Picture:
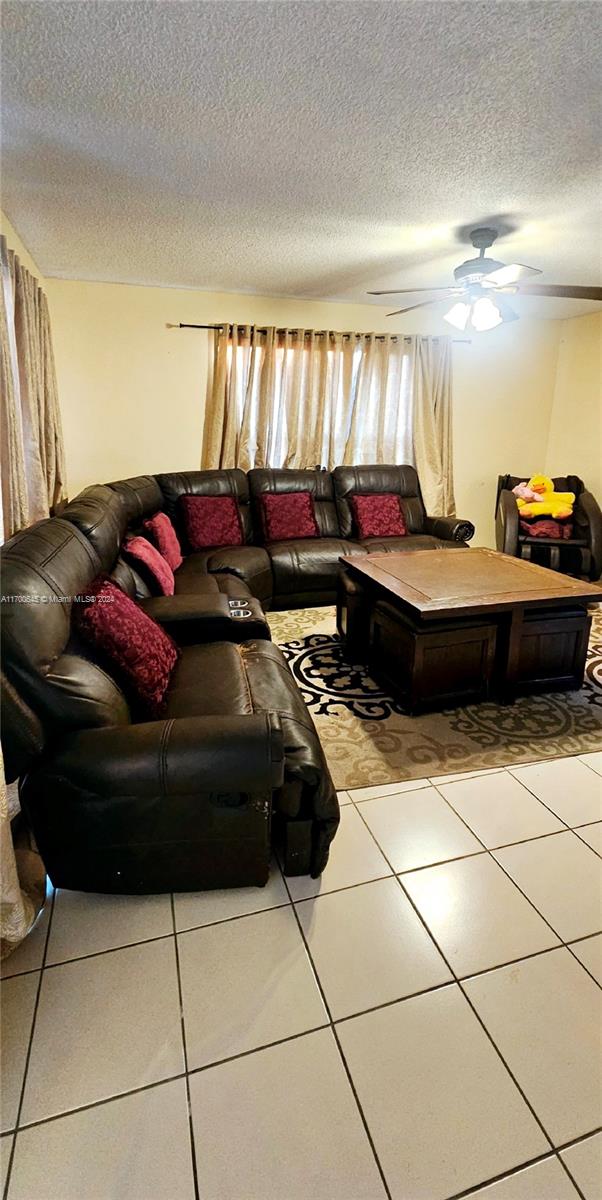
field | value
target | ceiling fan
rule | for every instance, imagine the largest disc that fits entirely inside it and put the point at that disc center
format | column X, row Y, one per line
column 482, row 282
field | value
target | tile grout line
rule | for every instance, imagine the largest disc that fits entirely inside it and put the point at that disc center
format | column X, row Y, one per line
column 257, row 1049
column 582, row 839
column 29, row 1048
column 571, row 758
column 331, row 1025
column 491, row 854
column 470, row 1192
column 481, row 1023
column 195, row 1179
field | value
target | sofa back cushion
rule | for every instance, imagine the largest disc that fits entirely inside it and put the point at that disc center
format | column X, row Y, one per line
column 45, row 570
column 147, row 560
column 159, row 529
column 378, row 515
column 141, row 496
column 99, row 513
column 399, row 480
column 134, row 647
column 288, row 515
column 206, row 483
column 267, row 481
column 211, row 521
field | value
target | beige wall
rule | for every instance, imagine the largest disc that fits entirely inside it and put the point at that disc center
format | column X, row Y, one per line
column 575, row 436
column 132, row 390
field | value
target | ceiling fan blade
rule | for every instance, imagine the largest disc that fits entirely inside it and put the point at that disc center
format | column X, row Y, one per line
column 423, row 304
column 561, row 289
column 402, row 291
column 513, row 273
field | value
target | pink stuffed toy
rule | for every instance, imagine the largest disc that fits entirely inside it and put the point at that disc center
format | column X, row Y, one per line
column 522, row 491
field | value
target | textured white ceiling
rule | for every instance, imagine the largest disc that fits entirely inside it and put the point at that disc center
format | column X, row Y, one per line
column 302, row 149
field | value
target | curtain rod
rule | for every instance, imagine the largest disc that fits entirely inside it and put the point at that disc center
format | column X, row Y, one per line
column 379, row 337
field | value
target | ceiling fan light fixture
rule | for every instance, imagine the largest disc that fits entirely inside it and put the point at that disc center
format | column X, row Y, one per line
column 485, row 314
column 458, row 315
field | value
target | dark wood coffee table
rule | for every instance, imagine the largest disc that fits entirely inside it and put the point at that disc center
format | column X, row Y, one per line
column 443, row 627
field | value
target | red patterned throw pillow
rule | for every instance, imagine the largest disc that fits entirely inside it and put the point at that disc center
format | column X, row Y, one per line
column 378, row 515
column 288, row 515
column 211, row 521
column 146, row 559
column 162, row 534
column 140, row 651
column 542, row 528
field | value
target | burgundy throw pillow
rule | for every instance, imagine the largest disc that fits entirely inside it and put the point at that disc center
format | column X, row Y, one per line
column 163, row 535
column 288, row 515
column 140, row 651
column 378, row 515
column 146, row 559
column 211, row 521
column 547, row 528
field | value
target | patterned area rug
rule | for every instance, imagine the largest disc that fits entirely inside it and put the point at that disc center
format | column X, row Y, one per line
column 367, row 738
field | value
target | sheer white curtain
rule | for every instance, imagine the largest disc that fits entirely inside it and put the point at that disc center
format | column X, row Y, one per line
column 303, row 398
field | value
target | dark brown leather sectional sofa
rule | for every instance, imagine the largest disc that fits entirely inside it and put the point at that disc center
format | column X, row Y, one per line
column 301, row 572
column 119, row 803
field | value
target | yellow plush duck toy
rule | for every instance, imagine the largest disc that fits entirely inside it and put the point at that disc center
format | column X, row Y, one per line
column 537, row 498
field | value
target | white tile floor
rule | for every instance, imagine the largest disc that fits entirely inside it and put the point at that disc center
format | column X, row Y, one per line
column 422, row 1023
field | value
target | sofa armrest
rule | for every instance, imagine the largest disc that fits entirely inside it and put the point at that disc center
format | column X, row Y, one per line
column 169, row 758
column 191, row 619
column 587, row 507
column 250, row 563
column 449, row 529
column 506, row 523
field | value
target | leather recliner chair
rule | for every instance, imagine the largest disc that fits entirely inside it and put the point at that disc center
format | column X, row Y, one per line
column 118, row 803
column 579, row 555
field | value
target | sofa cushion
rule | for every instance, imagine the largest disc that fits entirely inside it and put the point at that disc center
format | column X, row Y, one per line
column 401, row 480
column 308, row 564
column 211, row 521
column 138, row 651
column 140, row 495
column 264, row 480
column 420, row 541
column 99, row 513
column 378, row 515
column 146, row 559
column 163, row 535
column 250, row 564
column 209, row 681
column 228, row 482
column 288, row 515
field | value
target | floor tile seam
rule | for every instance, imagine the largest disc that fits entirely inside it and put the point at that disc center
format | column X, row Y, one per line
column 588, row 765
column 185, row 1052
column 492, row 853
column 476, row 1014
column 29, row 1048
column 583, row 840
column 160, row 937
column 346, row 1069
column 572, row 757
column 553, row 833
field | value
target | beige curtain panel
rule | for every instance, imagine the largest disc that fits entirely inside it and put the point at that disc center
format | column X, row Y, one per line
column 32, row 470
column 302, row 398
column 31, row 441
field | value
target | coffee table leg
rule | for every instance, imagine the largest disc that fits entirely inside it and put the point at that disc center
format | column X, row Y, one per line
column 508, row 663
